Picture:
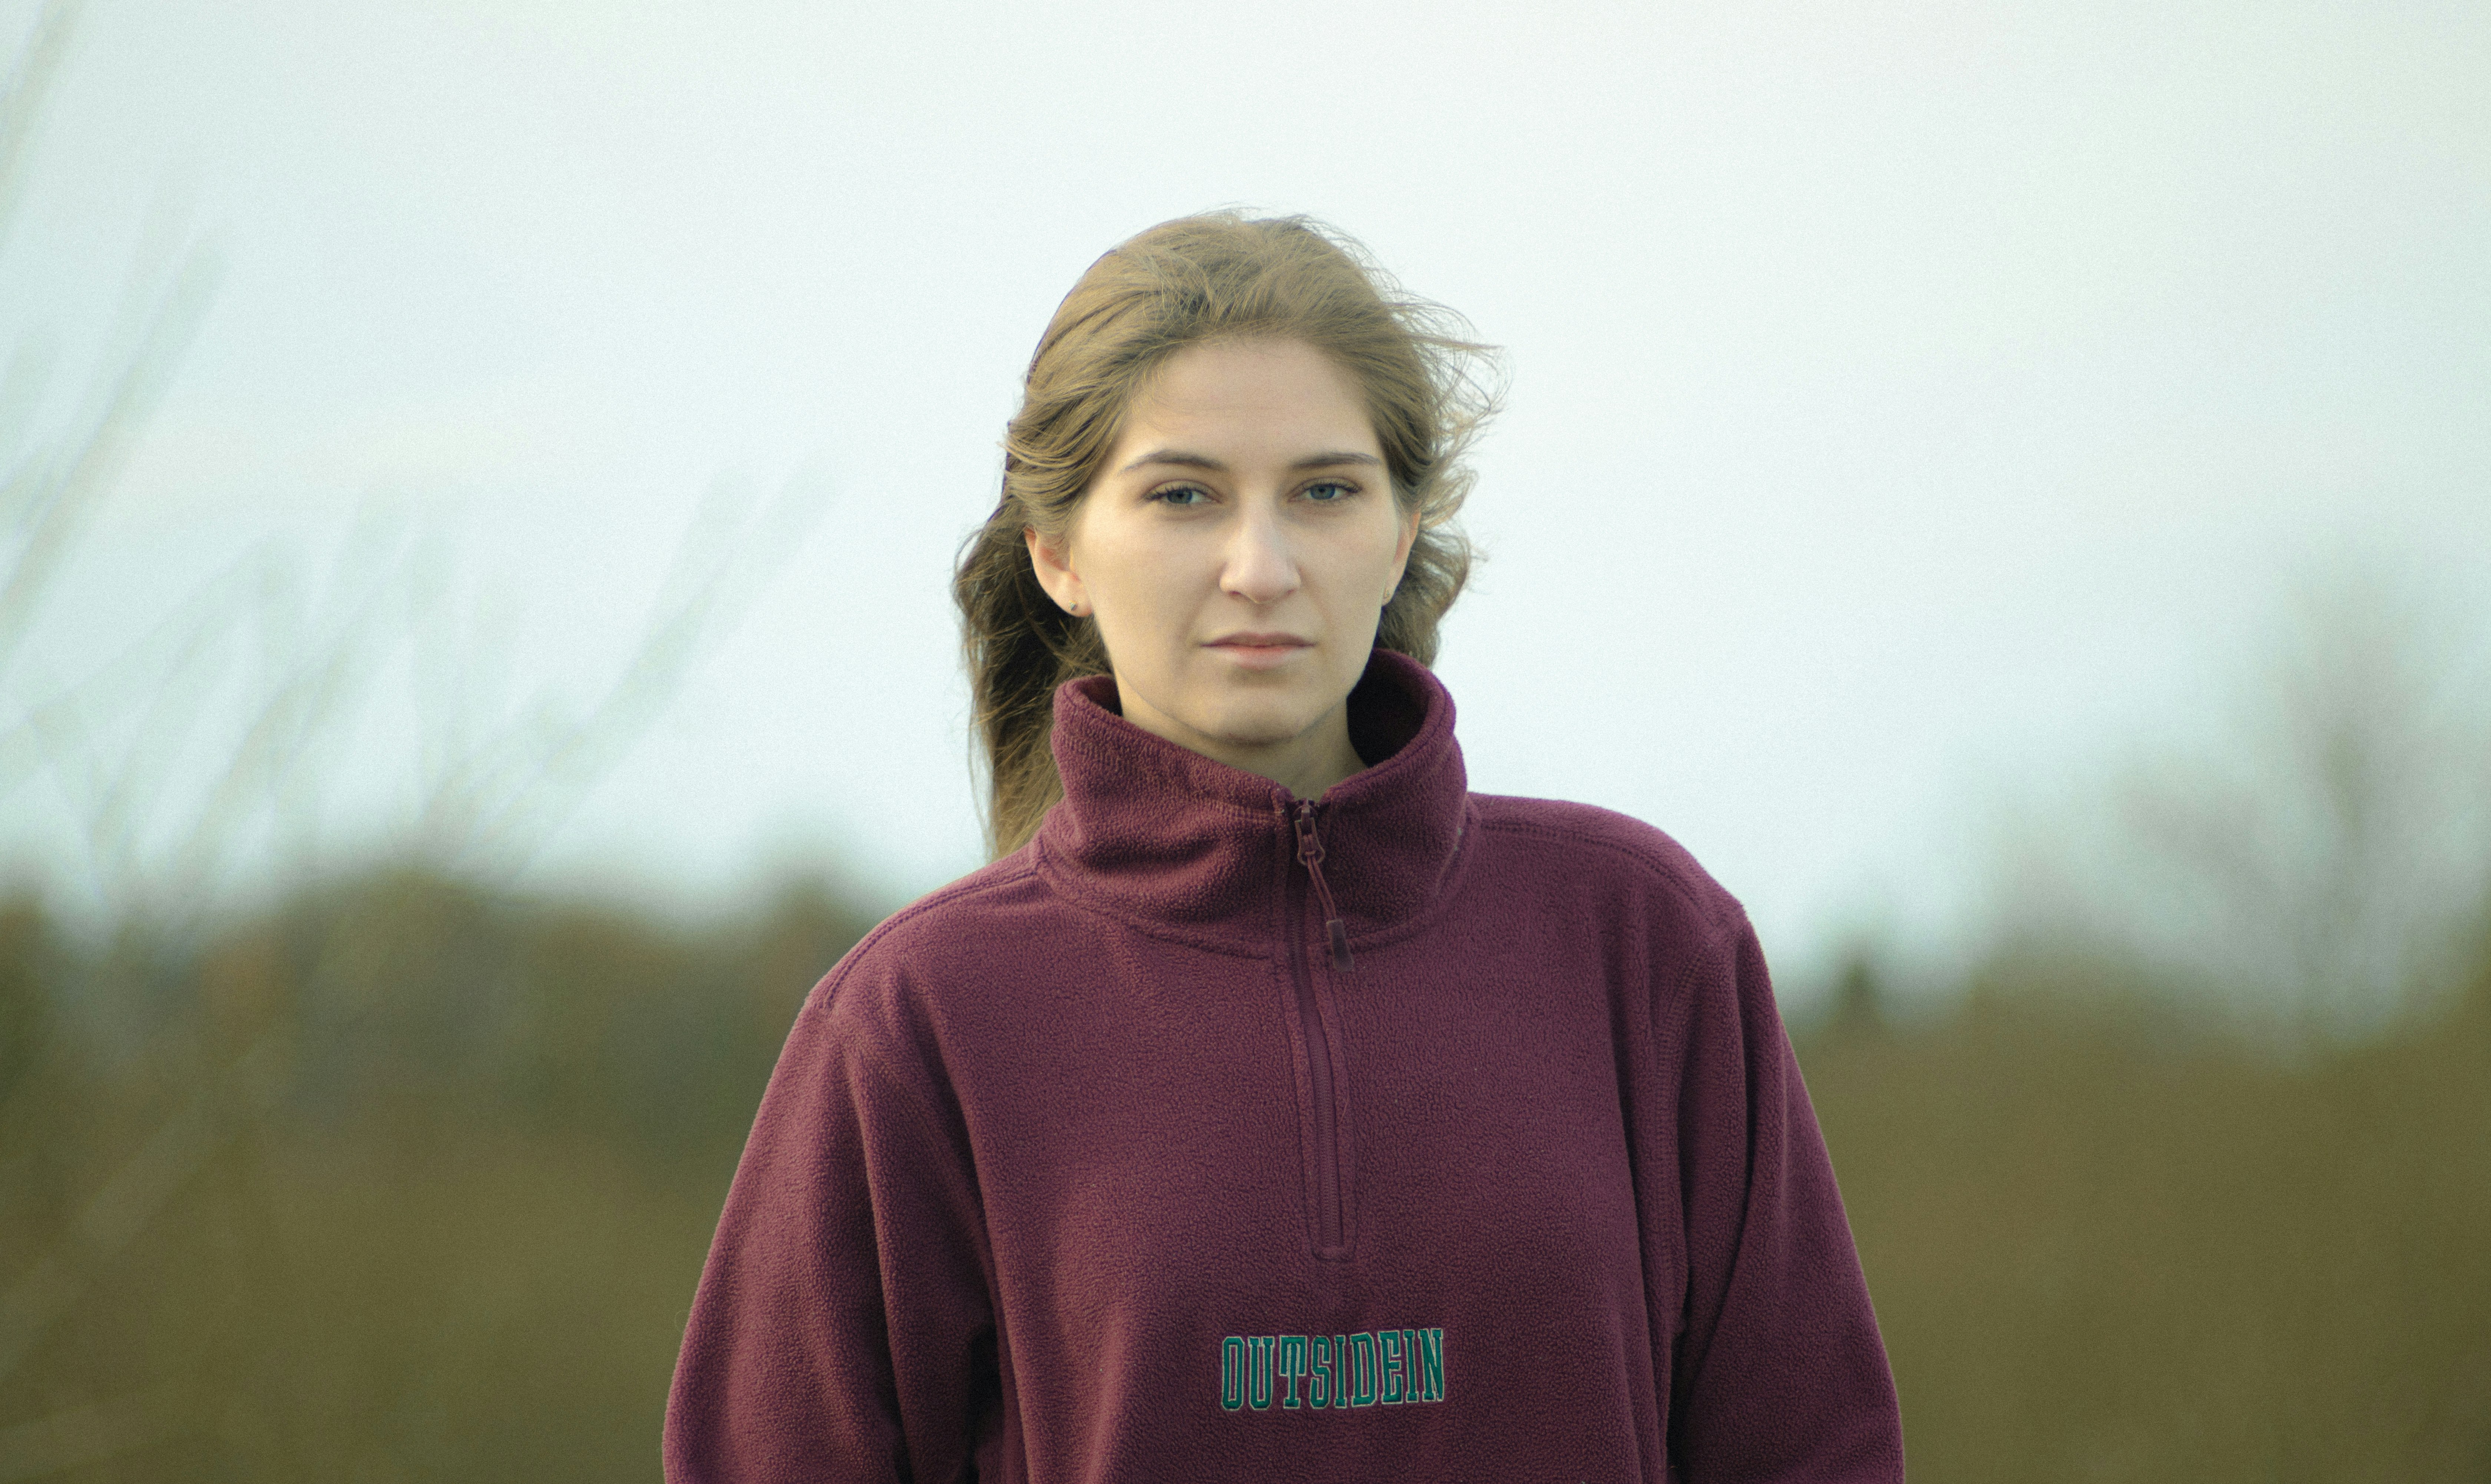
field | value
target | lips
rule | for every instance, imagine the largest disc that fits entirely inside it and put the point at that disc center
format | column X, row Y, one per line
column 1261, row 653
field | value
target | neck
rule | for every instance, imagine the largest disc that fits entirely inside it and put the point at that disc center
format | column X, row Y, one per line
column 1305, row 765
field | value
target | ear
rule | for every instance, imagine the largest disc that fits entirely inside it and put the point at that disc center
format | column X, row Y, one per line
column 1401, row 551
column 1055, row 573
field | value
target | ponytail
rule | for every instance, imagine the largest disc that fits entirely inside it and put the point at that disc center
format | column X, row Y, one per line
column 1020, row 646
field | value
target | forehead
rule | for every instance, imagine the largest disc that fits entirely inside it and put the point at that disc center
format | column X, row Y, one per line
column 1250, row 393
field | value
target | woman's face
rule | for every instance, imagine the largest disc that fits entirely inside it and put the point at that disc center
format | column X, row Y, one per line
column 1237, row 550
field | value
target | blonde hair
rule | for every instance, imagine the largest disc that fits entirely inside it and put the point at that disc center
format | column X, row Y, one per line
column 1218, row 277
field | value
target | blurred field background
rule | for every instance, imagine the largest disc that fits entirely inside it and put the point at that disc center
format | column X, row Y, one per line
column 396, row 1162
column 408, row 1178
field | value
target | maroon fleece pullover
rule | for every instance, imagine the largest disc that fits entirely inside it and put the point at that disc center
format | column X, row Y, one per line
column 1413, row 1134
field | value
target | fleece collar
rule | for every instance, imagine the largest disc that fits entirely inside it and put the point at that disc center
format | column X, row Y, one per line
column 1165, row 837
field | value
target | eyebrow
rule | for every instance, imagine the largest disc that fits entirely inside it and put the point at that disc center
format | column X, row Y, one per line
column 1185, row 460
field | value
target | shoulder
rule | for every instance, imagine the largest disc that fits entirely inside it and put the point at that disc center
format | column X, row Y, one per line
column 1583, row 847
column 963, row 932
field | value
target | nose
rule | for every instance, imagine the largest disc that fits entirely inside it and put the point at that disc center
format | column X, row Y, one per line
column 1260, row 566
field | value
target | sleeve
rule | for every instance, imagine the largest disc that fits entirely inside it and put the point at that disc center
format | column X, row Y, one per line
column 1777, row 1371
column 842, row 1330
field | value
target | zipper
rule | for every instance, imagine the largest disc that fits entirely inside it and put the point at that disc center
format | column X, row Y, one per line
column 1323, row 1061
column 1311, row 855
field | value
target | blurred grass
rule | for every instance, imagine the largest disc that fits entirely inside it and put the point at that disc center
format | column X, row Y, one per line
column 433, row 1170
column 2107, row 1245
column 440, row 1168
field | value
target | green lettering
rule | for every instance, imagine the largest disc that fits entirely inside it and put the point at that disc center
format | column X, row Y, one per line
column 1430, row 1352
column 1343, row 1373
column 1293, row 1364
column 1319, row 1371
column 1361, row 1368
column 1396, row 1366
column 1232, row 1372
column 1258, row 1381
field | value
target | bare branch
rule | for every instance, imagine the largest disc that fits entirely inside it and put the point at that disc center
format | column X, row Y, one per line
column 508, row 799
column 21, row 99
column 62, row 497
column 2313, row 879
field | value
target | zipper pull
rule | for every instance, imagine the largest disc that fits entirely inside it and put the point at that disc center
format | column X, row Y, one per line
column 1310, row 854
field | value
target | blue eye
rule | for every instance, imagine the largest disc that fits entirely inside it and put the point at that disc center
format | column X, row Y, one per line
column 1182, row 496
column 1337, row 492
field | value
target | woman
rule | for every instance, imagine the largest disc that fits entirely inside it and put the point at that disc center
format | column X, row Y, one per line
column 1274, row 1107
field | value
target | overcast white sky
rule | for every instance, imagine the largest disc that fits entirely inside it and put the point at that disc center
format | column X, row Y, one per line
column 1911, row 404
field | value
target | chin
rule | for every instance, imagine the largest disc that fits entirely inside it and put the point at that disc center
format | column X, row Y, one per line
column 1254, row 722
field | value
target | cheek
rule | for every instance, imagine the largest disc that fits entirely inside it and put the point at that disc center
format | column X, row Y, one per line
column 1138, row 590
column 1368, row 562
